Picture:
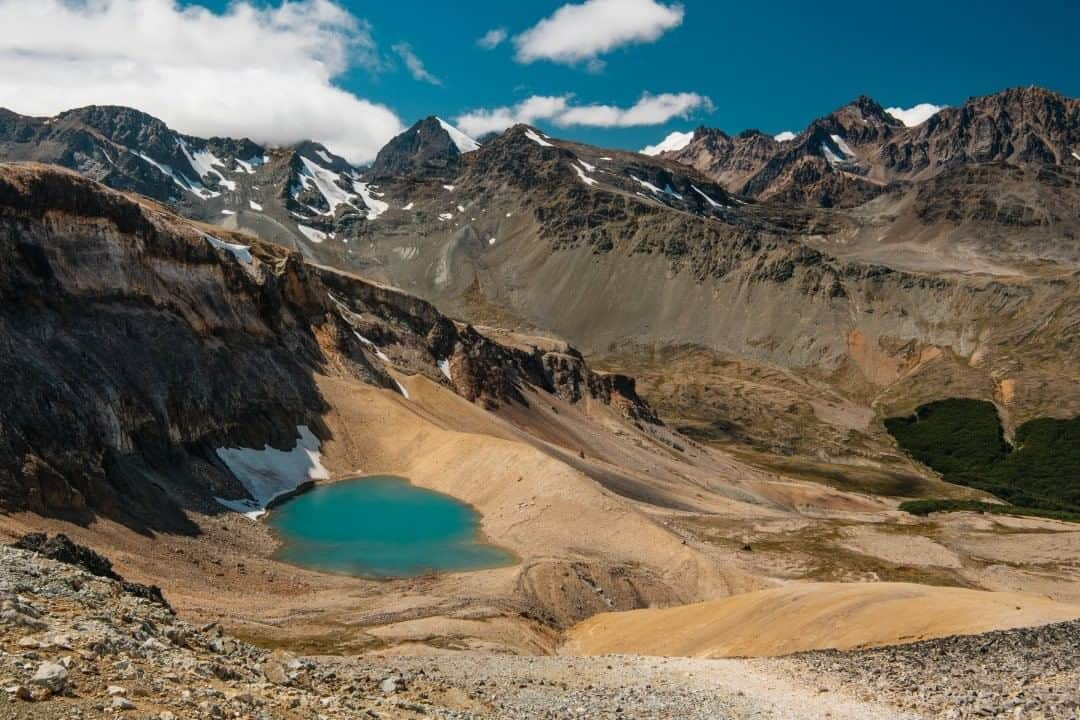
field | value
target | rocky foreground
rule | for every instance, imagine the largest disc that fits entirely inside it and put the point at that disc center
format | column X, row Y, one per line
column 78, row 642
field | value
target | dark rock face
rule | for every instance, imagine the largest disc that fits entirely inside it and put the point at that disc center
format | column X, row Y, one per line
column 424, row 151
column 1019, row 125
column 61, row 549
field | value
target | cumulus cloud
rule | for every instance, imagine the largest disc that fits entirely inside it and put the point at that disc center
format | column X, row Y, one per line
column 538, row 107
column 674, row 141
column 414, row 64
column 576, row 33
column 492, row 38
column 785, row 136
column 649, row 110
column 265, row 72
column 915, row 115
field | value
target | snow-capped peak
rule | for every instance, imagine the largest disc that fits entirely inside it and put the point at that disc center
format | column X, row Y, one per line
column 674, row 141
column 464, row 142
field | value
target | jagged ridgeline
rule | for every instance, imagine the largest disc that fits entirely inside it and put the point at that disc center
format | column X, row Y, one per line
column 140, row 342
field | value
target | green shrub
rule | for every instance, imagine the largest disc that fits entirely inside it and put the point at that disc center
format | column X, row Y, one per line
column 963, row 440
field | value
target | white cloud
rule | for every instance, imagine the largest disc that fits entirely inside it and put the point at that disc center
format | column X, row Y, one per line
column 674, row 141
column 649, row 110
column 915, row 115
column 414, row 64
column 264, row 72
column 538, row 107
column 574, row 33
column 785, row 136
column 492, row 38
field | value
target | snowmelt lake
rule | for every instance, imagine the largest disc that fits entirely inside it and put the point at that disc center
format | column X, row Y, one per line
column 381, row 527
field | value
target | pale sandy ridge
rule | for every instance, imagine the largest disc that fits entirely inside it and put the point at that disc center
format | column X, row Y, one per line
column 811, row 616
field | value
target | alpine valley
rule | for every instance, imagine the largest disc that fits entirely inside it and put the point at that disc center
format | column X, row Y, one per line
column 759, row 428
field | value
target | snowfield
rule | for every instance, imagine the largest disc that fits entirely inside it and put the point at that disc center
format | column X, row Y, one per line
column 268, row 473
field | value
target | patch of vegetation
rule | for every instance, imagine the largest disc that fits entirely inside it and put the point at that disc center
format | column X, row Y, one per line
column 963, row 440
column 925, row 507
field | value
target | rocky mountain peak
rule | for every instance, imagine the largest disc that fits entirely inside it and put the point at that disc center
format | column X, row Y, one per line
column 431, row 148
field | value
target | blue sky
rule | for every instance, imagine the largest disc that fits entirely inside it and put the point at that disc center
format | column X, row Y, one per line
column 770, row 65
column 622, row 73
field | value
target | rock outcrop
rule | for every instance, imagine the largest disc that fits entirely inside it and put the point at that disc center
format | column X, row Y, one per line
column 138, row 342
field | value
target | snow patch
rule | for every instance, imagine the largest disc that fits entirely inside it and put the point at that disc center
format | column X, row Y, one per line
column 652, row 188
column 537, row 139
column 444, row 366
column 491, row 241
column 844, row 147
column 674, row 141
column 228, row 212
column 709, row 199
column 445, row 216
column 1075, row 155
column 401, row 388
column 375, row 348
column 324, row 157
column 241, row 252
column 206, row 163
column 581, row 174
column 785, row 136
column 315, row 236
column 268, row 473
column 463, row 142
column 449, row 188
column 254, row 205
column 587, row 166
column 326, row 181
column 375, row 207
column 461, row 208
column 408, row 207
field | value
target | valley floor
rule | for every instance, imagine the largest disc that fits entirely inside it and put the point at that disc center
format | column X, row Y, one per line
column 77, row 646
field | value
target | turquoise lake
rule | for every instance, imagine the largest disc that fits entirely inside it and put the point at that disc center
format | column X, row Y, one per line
column 381, row 527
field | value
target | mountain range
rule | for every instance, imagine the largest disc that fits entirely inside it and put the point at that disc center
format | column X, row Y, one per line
column 659, row 380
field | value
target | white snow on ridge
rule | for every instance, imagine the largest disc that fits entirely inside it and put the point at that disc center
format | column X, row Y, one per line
column 444, row 366
column 463, row 142
column 537, row 139
column 674, row 141
column 375, row 207
column 710, row 200
column 581, row 174
column 784, row 136
column 327, row 183
column 268, row 473
column 587, row 166
column 203, row 162
column 315, row 236
column 844, row 147
column 324, row 157
column 167, row 170
column 240, row 252
column 652, row 188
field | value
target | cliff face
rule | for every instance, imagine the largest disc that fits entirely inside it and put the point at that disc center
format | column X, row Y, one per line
column 134, row 343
